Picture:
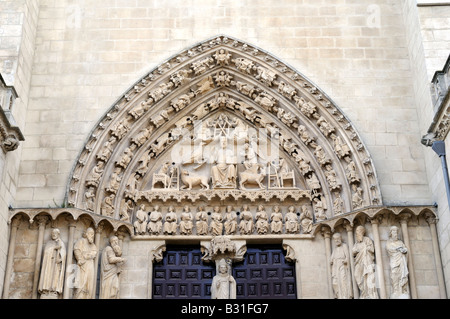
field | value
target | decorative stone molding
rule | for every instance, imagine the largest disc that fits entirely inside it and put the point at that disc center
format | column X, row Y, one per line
column 375, row 214
column 72, row 215
column 10, row 134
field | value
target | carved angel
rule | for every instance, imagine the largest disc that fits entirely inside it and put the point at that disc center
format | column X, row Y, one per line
column 222, row 57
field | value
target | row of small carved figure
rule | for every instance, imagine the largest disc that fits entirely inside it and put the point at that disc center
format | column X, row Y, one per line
column 230, row 223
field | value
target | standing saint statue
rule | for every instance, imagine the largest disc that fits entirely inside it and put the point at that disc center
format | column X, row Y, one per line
column 340, row 272
column 111, row 267
column 85, row 252
column 397, row 253
column 51, row 282
column 223, row 284
column 364, row 254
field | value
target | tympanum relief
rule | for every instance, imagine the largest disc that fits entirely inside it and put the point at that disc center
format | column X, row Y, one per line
column 246, row 90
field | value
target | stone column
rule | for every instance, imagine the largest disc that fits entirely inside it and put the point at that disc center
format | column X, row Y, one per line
column 12, row 246
column 41, row 220
column 98, row 233
column 69, row 258
column 155, row 255
column 412, row 277
column 431, row 219
column 349, row 228
column 378, row 258
column 326, row 233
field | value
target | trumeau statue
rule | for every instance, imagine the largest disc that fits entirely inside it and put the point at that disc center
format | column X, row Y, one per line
column 51, row 281
column 111, row 267
column 397, row 253
column 85, row 252
column 364, row 255
column 223, row 284
column 340, row 269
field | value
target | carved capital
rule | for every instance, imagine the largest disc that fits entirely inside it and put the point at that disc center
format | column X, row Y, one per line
column 325, row 231
column 42, row 220
column 431, row 218
column 404, row 217
column 348, row 226
column 156, row 254
column 15, row 222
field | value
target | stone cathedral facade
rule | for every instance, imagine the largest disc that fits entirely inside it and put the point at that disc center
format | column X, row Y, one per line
column 214, row 149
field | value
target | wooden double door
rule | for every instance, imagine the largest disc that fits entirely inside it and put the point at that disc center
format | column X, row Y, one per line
column 264, row 273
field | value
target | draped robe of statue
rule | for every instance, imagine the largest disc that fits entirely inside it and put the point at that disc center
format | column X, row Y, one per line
column 276, row 221
column 397, row 253
column 223, row 284
column 85, row 252
column 363, row 252
column 111, row 266
column 224, row 172
column 51, row 281
column 155, row 222
column 340, row 272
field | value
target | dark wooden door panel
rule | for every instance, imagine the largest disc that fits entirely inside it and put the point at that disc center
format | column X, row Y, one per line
column 182, row 274
column 265, row 273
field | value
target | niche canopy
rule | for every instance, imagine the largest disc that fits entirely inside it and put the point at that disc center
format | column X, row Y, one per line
column 129, row 156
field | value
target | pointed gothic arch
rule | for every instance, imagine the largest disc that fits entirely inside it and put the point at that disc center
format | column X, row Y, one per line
column 260, row 90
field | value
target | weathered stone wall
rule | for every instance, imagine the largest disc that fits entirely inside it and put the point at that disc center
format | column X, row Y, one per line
column 18, row 23
column 87, row 54
column 427, row 29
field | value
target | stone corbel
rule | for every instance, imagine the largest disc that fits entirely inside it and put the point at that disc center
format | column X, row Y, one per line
column 156, row 253
column 290, row 252
column 10, row 134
